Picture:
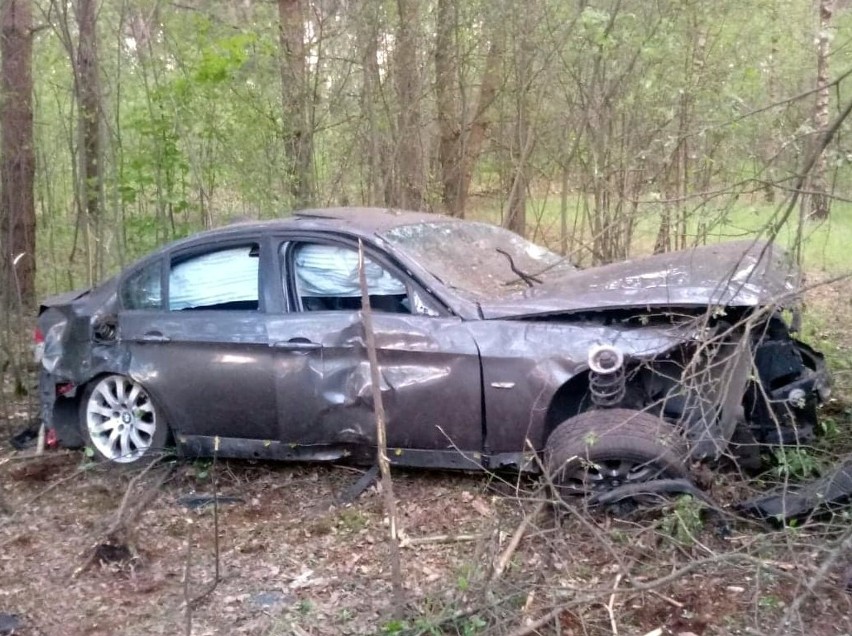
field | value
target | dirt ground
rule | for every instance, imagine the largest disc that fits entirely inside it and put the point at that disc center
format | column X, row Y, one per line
column 293, row 561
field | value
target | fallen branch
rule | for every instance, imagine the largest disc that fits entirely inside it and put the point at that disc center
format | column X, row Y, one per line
column 216, row 573
column 23, row 456
column 191, row 602
column 503, row 561
column 407, row 542
column 117, row 532
column 47, row 489
column 610, row 607
column 187, row 602
column 841, row 548
column 5, row 508
column 529, row 628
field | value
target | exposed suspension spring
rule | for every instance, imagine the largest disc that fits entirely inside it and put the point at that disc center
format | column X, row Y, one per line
column 606, row 375
column 607, row 389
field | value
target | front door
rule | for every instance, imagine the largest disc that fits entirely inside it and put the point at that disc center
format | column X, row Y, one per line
column 429, row 364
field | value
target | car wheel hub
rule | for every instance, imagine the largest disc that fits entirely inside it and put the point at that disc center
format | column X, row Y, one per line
column 601, row 477
column 120, row 419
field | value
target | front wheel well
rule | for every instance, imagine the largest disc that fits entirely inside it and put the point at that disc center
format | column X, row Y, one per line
column 572, row 398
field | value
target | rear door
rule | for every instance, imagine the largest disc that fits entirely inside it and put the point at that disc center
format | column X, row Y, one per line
column 428, row 361
column 194, row 325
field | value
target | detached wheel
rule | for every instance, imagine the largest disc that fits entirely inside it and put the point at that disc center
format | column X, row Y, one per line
column 120, row 421
column 596, row 451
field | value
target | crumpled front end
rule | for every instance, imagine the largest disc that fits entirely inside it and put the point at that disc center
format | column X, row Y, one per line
column 735, row 375
column 781, row 404
column 749, row 381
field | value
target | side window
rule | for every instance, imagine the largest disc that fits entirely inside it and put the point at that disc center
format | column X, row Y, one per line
column 224, row 279
column 326, row 279
column 143, row 288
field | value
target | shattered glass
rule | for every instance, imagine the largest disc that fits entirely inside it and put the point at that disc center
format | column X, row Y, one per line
column 478, row 259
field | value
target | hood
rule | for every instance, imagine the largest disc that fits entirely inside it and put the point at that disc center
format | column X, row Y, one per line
column 734, row 274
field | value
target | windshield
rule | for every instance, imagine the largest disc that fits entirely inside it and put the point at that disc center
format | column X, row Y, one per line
column 478, row 259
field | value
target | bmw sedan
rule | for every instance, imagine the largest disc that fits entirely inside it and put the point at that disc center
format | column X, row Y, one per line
column 249, row 341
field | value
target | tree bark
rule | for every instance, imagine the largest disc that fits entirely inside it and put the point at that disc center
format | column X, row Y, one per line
column 446, row 104
column 461, row 139
column 408, row 151
column 295, row 102
column 819, row 199
column 522, row 131
column 89, row 131
column 17, row 164
column 477, row 129
column 374, row 141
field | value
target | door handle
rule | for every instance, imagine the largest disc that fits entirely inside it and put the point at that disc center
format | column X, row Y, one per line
column 300, row 344
column 155, row 336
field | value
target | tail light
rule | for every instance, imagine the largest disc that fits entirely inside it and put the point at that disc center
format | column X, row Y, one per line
column 48, row 345
column 38, row 345
column 65, row 388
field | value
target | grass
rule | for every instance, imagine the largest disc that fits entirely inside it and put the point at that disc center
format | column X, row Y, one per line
column 826, row 245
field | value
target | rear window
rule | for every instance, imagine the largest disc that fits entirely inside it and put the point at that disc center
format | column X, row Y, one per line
column 224, row 279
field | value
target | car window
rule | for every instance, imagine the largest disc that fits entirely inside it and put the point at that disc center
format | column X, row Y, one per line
column 143, row 289
column 224, row 279
column 326, row 279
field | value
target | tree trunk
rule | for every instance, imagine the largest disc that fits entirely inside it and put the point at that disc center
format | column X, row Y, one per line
column 89, row 131
column 476, row 131
column 17, row 164
column 295, row 102
column 447, row 108
column 771, row 140
column 408, row 151
column 819, row 199
column 376, row 180
column 522, row 132
column 461, row 140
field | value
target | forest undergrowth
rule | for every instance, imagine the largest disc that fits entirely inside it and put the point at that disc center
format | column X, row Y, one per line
column 86, row 550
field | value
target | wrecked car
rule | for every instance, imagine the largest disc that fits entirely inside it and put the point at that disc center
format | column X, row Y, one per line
column 248, row 341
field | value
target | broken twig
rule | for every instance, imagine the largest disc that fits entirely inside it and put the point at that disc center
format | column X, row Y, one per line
column 381, row 436
column 407, row 542
column 503, row 561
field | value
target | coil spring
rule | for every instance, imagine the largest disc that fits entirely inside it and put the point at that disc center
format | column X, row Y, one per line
column 607, row 389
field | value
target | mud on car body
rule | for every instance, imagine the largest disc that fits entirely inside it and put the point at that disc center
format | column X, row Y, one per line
column 490, row 348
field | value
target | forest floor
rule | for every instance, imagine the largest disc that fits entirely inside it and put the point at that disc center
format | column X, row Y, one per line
column 293, row 562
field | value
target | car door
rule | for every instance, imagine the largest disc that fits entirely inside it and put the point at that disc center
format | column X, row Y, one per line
column 198, row 341
column 428, row 361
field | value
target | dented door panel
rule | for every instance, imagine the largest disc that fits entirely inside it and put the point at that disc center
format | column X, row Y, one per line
column 420, row 358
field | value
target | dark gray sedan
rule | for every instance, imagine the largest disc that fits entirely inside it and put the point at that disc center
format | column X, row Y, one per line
column 249, row 339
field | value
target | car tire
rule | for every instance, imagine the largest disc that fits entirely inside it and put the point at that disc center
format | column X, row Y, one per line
column 596, row 451
column 120, row 422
